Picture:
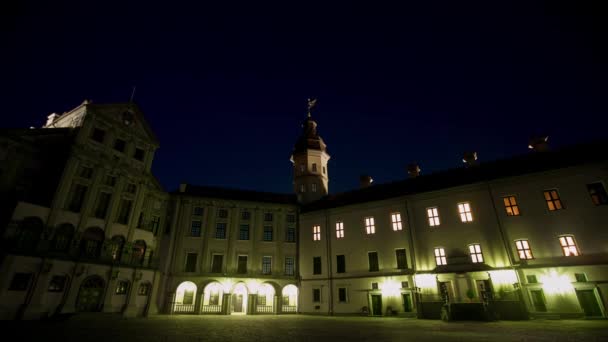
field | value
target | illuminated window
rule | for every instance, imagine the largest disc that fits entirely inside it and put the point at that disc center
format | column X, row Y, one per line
column 568, row 245
column 465, row 212
column 314, row 167
column 440, row 258
column 370, row 227
column 597, row 193
column 396, row 220
column 316, row 233
column 122, row 287
column 511, row 205
column 266, row 265
column 553, row 201
column 144, row 289
column 475, row 252
column 433, row 215
column 523, row 249
column 339, row 229
column 313, row 187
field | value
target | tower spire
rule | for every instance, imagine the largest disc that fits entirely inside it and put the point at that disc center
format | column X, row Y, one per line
column 312, row 102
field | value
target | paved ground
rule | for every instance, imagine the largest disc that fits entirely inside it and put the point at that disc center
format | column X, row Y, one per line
column 113, row 328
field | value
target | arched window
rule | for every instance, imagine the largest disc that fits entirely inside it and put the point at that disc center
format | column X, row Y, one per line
column 29, row 234
column 118, row 243
column 90, row 245
column 139, row 251
column 63, row 237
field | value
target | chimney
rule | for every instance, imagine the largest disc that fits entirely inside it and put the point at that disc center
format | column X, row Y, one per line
column 50, row 120
column 470, row 159
column 539, row 144
column 413, row 170
column 365, row 181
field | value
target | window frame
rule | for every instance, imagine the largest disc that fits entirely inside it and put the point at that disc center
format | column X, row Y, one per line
column 375, row 265
column 555, row 203
column 396, row 222
column 316, row 233
column 339, row 230
column 432, row 214
column 524, row 251
column 598, row 198
column 476, row 253
column 511, row 205
column 440, row 256
column 465, row 211
column 370, row 225
column 567, row 248
column 266, row 264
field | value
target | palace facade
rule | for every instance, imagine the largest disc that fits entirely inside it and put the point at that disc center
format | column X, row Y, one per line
column 87, row 227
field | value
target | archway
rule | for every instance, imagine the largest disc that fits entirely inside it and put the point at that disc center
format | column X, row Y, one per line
column 184, row 298
column 290, row 299
column 90, row 295
column 265, row 298
column 213, row 296
column 239, row 299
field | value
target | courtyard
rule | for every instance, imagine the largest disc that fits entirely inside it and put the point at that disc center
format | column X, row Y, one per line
column 108, row 327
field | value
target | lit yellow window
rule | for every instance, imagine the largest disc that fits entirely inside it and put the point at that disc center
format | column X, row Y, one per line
column 523, row 249
column 511, row 205
column 553, row 200
column 339, row 229
column 370, row 227
column 396, row 220
column 568, row 245
column 465, row 212
column 475, row 252
column 433, row 215
column 440, row 256
column 316, row 233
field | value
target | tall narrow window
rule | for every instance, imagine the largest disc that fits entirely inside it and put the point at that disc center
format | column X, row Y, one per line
column 313, row 187
column 396, row 220
column 370, row 226
column 342, row 294
column 302, row 188
column 220, row 230
column 316, row 233
column 242, row 264
column 302, row 168
column 401, row 258
column 433, row 215
column 78, row 193
column 597, row 191
column 316, row 295
column 195, row 228
column 511, row 205
column 289, row 266
column 267, row 233
column 244, row 232
column 523, row 249
column 465, row 212
column 316, row 265
column 475, row 252
column 440, row 258
column 291, row 234
column 86, row 172
column 266, row 265
column 339, row 229
column 340, row 264
column 568, row 245
column 103, row 203
column 197, row 211
column 191, row 262
column 216, row 263
column 373, row 261
column 314, row 167
column 553, row 201
column 125, row 211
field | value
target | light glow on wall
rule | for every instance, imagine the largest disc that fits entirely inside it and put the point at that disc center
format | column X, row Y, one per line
column 390, row 288
column 554, row 283
column 503, row 277
column 426, row 280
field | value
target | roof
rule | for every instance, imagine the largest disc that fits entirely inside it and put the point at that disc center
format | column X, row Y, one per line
column 237, row 194
column 531, row 162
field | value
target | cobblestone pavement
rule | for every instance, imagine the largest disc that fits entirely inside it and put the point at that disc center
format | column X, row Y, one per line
column 113, row 328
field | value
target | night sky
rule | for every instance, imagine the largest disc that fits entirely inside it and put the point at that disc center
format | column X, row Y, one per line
column 225, row 89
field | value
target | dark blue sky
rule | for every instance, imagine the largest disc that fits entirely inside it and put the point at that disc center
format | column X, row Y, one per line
column 225, row 89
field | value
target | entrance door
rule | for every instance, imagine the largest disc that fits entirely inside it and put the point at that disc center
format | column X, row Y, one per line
column 238, row 303
column 407, row 302
column 538, row 300
column 589, row 303
column 377, row 305
column 90, row 295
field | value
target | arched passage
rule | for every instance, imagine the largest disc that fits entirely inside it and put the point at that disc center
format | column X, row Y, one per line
column 266, row 298
column 290, row 299
column 90, row 295
column 184, row 298
column 239, row 299
column 213, row 297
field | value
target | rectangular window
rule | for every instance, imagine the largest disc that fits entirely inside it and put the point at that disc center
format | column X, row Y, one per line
column 266, row 265
column 119, row 145
column 523, row 249
column 553, row 201
column 191, row 262
column 268, row 217
column 20, row 282
column 568, row 245
column 339, row 229
column 465, row 212
column 245, row 215
column 195, row 228
column 370, row 226
column 313, row 187
column 144, row 289
column 216, row 263
column 405, row 284
column 261, row 300
column 220, row 230
column 131, row 188
column 242, row 264
column 580, row 277
column 374, row 286
column 122, row 287
column 188, row 297
column 109, row 180
column 57, row 283
column 291, row 218
column 323, row 169
column 302, row 168
column 396, row 220
column 197, row 211
column 316, row 295
column 302, row 188
column 511, row 205
column 85, row 172
column 98, row 135
column 531, row 278
column 291, row 234
column 316, row 265
column 78, row 193
column 316, row 233
column 597, row 191
column 289, row 266
column 342, row 294
column 103, row 202
column 267, row 233
column 125, row 211
column 433, row 215
column 475, row 252
column 401, row 258
column 244, row 232
column 373, row 261
column 139, row 154
column 340, row 263
column 155, row 223
column 222, row 213
column 440, row 258
column 314, row 167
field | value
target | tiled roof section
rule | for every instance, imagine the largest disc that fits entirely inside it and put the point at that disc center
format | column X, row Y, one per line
column 520, row 165
column 237, row 194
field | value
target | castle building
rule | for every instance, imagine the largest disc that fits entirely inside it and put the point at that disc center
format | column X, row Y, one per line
column 87, row 227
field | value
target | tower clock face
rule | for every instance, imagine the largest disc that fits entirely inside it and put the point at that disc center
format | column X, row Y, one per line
column 128, row 118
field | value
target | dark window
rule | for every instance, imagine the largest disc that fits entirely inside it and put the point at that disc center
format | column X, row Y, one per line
column 266, row 265
column 289, row 266
column 110, row 180
column 188, row 297
column 374, row 286
column 78, row 193
column 122, row 287
column 405, row 284
column 342, row 294
column 553, row 200
column 191, row 262
column 291, row 234
column 244, row 232
column 139, row 154
column 242, row 266
column 401, row 258
column 86, row 172
column 245, row 215
column 119, row 145
column 198, row 211
column 102, row 205
column 220, row 231
column 20, row 282
column 316, row 265
column 125, row 211
column 262, row 300
column 531, row 279
column 131, row 188
column 580, row 277
column 98, row 135
column 155, row 223
column 144, row 289
column 216, row 263
column 373, row 261
column 222, row 213
column 140, row 220
column 316, row 295
column 268, row 217
column 597, row 193
column 195, row 228
column 291, row 218
column 341, row 263
column 214, row 298
column 314, row 167
column 267, row 233
column 57, row 283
